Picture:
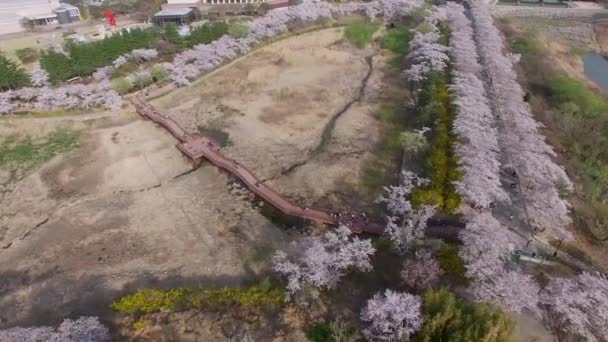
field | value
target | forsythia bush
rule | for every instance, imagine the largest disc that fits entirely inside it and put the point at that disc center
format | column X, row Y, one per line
column 152, row 300
column 443, row 161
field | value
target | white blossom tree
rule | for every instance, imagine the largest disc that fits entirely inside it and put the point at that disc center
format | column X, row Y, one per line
column 519, row 137
column 391, row 316
column 578, row 306
column 421, row 272
column 475, row 124
column 320, row 262
column 405, row 224
column 84, row 329
column 39, row 78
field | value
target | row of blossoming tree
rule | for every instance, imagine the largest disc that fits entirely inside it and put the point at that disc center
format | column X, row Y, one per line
column 496, row 131
column 190, row 63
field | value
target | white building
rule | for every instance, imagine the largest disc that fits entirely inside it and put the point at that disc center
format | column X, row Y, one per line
column 12, row 11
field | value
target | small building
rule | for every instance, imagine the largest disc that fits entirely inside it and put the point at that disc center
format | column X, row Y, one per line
column 67, row 13
column 179, row 16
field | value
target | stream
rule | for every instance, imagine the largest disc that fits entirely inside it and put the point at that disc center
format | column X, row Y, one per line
column 331, row 124
column 596, row 69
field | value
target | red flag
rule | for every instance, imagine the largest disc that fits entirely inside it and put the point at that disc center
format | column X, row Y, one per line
column 110, row 16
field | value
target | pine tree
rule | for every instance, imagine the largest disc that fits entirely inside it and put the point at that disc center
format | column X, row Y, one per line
column 11, row 75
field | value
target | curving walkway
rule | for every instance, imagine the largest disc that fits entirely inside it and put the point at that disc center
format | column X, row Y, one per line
column 196, row 147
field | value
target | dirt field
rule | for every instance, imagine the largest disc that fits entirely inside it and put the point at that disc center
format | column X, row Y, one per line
column 124, row 211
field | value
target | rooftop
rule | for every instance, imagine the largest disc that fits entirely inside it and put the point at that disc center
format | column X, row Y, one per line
column 167, row 12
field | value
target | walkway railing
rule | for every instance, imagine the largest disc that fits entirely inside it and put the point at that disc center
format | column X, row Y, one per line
column 196, row 147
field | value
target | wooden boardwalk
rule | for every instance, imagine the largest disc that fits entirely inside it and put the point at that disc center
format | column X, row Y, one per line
column 197, row 147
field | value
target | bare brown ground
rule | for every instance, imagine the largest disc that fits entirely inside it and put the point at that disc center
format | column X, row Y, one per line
column 123, row 212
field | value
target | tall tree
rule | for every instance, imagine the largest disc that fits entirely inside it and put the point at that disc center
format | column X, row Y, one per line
column 12, row 76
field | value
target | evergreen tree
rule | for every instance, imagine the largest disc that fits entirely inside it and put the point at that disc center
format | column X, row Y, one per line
column 11, row 75
column 58, row 66
column 173, row 36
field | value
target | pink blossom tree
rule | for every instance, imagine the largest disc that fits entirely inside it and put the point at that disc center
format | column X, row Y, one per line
column 525, row 148
column 84, row 329
column 475, row 123
column 578, row 306
column 391, row 316
column 40, row 78
column 405, row 224
column 317, row 263
column 421, row 272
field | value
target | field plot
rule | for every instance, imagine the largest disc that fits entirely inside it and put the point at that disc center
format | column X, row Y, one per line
column 277, row 109
column 120, row 208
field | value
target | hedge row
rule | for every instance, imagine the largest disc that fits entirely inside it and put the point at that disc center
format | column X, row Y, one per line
column 82, row 59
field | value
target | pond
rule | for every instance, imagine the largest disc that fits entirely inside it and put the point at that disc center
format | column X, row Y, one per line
column 596, row 68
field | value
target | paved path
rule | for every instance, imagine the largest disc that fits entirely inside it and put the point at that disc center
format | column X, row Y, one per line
column 197, row 147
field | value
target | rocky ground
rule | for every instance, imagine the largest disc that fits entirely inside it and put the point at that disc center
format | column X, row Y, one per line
column 126, row 210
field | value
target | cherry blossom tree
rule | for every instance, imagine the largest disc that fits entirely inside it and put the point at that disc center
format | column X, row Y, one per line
column 84, row 329
column 511, row 290
column 519, row 137
column 486, row 246
column 426, row 53
column 391, row 316
column 475, row 123
column 405, row 224
column 39, row 77
column 317, row 263
column 578, row 306
column 421, row 272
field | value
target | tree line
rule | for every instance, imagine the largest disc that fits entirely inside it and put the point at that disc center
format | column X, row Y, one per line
column 82, row 59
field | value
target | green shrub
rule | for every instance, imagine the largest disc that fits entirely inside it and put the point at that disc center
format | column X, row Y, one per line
column 142, row 80
column 11, row 75
column 528, row 45
column 27, row 55
column 263, row 295
column 320, row 333
column 397, row 40
column 238, row 30
column 449, row 319
column 173, row 36
column 159, row 73
column 206, row 33
column 360, row 33
column 335, row 331
column 122, row 85
column 452, row 264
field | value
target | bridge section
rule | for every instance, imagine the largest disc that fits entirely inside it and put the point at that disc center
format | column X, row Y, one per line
column 197, row 147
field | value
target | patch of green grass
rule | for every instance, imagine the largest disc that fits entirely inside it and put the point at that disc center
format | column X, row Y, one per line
column 397, row 40
column 360, row 33
column 20, row 157
column 452, row 264
column 380, row 169
column 263, row 295
column 28, row 55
